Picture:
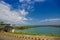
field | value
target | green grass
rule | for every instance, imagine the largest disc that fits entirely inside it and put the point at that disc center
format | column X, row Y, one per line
column 25, row 33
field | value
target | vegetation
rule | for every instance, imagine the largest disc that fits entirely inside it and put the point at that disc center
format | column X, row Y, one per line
column 23, row 27
column 2, row 24
column 4, row 27
column 26, row 27
column 26, row 33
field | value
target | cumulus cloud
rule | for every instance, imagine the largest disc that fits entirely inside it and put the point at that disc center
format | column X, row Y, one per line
column 50, row 20
column 10, row 16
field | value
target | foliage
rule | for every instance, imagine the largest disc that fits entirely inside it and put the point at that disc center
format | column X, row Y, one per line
column 26, row 33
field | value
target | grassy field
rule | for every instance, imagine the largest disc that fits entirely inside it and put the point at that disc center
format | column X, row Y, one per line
column 25, row 33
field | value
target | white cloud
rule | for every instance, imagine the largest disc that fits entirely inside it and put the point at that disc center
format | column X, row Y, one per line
column 23, row 12
column 29, row 4
column 24, row 0
column 39, row 0
column 21, row 0
column 50, row 20
column 31, row 0
column 10, row 16
column 53, row 21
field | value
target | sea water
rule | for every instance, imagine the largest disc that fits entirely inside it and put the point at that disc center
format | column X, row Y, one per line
column 42, row 30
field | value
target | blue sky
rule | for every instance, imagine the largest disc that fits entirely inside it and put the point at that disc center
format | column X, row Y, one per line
column 30, row 12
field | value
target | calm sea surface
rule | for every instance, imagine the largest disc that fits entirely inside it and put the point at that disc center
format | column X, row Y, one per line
column 42, row 30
